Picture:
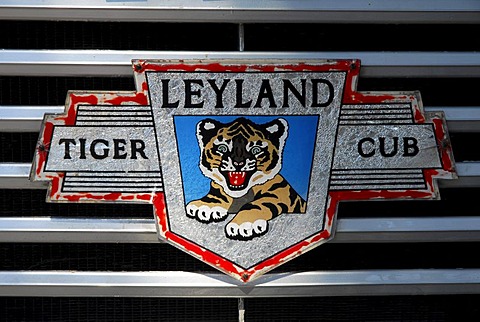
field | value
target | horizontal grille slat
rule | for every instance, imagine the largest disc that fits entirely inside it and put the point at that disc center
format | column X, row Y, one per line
column 115, row 63
column 104, row 261
column 186, row 284
column 349, row 230
column 418, row 11
column 16, row 175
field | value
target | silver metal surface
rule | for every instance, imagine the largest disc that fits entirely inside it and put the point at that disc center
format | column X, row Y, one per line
column 241, row 37
column 459, row 118
column 284, row 231
column 468, row 176
column 24, row 118
column 347, row 156
column 183, row 284
column 115, row 63
column 349, row 230
column 51, row 229
column 17, row 118
column 57, row 152
column 186, row 284
column 331, row 11
column 16, row 176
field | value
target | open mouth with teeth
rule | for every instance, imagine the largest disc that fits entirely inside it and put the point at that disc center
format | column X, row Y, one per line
column 237, row 180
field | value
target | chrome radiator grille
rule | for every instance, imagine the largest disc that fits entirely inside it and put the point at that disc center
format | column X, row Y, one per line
column 389, row 261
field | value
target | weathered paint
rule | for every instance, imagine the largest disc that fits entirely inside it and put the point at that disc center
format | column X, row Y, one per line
column 141, row 98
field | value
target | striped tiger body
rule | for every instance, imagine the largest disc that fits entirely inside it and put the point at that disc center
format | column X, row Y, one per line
column 243, row 160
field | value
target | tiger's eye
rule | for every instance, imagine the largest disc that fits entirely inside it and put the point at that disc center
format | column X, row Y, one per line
column 222, row 148
column 256, row 150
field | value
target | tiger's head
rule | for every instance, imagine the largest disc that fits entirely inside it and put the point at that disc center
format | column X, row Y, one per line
column 241, row 154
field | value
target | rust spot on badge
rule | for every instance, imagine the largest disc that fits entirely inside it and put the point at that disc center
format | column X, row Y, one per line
column 46, row 137
column 444, row 144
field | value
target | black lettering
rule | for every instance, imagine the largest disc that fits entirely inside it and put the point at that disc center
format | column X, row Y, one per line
column 315, row 102
column 94, row 153
column 219, row 91
column 82, row 148
column 265, row 92
column 288, row 86
column 361, row 150
column 239, row 89
column 410, row 147
column 166, row 103
column 138, row 149
column 189, row 93
column 382, row 147
column 67, row 147
column 119, row 146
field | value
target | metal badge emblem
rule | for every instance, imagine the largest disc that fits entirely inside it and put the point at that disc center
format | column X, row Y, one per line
column 244, row 162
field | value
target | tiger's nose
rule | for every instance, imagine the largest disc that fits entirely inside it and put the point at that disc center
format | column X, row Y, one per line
column 238, row 163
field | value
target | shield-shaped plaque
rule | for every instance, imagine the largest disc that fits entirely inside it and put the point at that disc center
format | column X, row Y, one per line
column 245, row 162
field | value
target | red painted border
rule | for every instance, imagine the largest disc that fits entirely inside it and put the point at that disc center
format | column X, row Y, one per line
column 350, row 96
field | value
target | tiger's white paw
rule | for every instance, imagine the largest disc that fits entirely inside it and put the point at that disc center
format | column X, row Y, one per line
column 205, row 213
column 246, row 230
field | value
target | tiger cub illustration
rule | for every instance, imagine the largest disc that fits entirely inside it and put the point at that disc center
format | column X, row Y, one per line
column 243, row 160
